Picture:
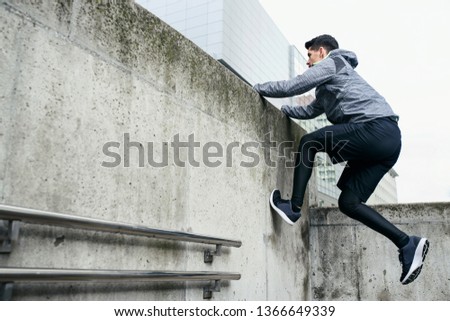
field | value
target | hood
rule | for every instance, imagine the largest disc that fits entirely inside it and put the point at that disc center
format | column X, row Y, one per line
column 347, row 55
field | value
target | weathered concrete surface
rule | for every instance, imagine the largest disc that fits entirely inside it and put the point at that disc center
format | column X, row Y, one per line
column 78, row 74
column 351, row 262
column 74, row 76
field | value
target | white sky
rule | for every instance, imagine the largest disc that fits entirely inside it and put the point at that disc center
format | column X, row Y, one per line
column 403, row 52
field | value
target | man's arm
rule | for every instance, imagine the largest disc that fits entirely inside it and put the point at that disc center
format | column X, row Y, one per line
column 300, row 112
column 301, row 84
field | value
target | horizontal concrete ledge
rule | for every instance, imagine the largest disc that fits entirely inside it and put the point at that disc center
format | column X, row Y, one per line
column 350, row 261
column 424, row 213
column 55, row 275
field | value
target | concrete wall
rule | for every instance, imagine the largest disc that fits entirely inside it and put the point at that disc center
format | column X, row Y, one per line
column 351, row 262
column 78, row 74
column 74, row 76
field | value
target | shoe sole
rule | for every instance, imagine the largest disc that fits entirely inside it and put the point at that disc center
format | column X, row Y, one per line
column 279, row 212
column 419, row 258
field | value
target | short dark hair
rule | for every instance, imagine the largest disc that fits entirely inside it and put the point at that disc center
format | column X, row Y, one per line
column 326, row 41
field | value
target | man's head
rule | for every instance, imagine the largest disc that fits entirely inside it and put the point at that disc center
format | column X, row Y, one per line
column 319, row 47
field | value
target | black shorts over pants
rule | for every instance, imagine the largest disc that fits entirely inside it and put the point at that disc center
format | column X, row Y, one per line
column 370, row 148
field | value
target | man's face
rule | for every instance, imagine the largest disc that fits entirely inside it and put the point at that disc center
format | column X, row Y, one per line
column 315, row 56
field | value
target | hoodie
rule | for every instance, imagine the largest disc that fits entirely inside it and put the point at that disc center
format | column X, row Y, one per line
column 341, row 93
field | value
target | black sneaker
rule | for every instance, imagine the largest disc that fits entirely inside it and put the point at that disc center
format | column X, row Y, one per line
column 283, row 207
column 411, row 258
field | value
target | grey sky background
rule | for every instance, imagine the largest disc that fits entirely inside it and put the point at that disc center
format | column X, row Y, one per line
column 403, row 52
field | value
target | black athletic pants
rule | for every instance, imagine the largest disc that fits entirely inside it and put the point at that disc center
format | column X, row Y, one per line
column 371, row 149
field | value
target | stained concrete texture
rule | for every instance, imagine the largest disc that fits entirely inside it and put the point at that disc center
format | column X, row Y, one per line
column 95, row 99
column 351, row 262
column 99, row 102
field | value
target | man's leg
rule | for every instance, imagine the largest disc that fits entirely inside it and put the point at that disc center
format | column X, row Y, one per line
column 330, row 139
column 351, row 205
column 310, row 144
column 357, row 183
column 412, row 249
column 304, row 162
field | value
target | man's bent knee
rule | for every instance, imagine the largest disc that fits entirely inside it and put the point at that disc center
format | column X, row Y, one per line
column 348, row 203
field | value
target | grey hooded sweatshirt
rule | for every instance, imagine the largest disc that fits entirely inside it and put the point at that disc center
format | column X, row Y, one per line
column 340, row 92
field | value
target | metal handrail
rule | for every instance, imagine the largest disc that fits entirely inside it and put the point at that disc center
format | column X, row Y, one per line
column 27, row 215
column 49, row 275
column 10, row 275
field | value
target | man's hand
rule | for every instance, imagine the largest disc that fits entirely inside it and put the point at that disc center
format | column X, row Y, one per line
column 256, row 88
column 285, row 110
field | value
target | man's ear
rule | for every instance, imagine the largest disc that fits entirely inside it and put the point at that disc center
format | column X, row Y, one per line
column 323, row 52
